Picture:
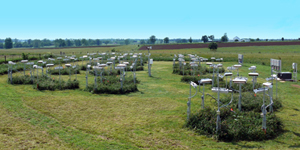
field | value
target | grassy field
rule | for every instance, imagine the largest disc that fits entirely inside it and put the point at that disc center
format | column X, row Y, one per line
column 152, row 118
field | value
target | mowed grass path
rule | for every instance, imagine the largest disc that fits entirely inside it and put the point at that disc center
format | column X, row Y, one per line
column 152, row 118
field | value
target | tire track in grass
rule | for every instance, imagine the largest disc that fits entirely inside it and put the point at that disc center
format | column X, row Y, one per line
column 12, row 101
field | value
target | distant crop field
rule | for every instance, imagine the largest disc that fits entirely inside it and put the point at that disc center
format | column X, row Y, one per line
column 241, row 44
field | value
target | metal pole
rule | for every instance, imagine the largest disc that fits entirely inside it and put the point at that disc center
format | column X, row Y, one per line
column 240, row 98
column 218, row 112
column 189, row 104
column 202, row 96
column 86, row 77
column 24, row 69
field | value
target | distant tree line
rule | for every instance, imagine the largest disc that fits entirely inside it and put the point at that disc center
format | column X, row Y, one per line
column 36, row 43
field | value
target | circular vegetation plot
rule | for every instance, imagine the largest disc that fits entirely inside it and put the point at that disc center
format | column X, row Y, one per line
column 112, row 85
column 235, row 126
column 45, row 83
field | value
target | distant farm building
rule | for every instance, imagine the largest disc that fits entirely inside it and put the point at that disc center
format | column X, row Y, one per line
column 237, row 39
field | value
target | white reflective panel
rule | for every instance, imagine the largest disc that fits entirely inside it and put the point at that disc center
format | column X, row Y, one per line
column 219, row 65
column 212, row 58
column 259, row 90
column 96, row 59
column 68, row 65
column 205, row 81
column 222, row 90
column 121, row 65
column 49, row 65
column 102, row 65
column 194, row 84
column 239, row 80
column 24, row 61
column 29, row 63
column 11, row 63
column 237, row 66
column 58, row 58
column 84, row 56
column 228, row 74
column 267, row 84
column 40, row 61
column 88, row 66
column 252, row 68
column 151, row 61
column 253, row 74
column 208, row 63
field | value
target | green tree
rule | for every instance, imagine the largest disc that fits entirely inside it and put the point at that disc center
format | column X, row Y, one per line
column 91, row 42
column 1, row 45
column 204, row 38
column 282, row 39
column 152, row 39
column 29, row 41
column 17, row 44
column 257, row 39
column 166, row 40
column 212, row 37
column 267, row 40
column 127, row 41
column 8, row 43
column 142, row 42
column 98, row 42
column 69, row 43
column 224, row 38
column 106, row 42
column 190, row 40
column 77, row 42
column 46, row 42
column 59, row 43
column 84, row 42
column 213, row 46
column 36, row 43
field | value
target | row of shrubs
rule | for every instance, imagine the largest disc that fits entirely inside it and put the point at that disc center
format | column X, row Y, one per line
column 45, row 83
column 234, row 126
column 112, row 85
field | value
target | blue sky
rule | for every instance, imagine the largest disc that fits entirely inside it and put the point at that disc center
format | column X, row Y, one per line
column 38, row 19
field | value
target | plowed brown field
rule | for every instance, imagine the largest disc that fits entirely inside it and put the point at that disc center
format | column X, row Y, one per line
column 185, row 46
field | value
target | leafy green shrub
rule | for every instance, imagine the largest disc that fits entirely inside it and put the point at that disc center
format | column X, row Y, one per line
column 250, row 102
column 235, row 126
column 54, row 84
column 45, row 83
column 112, row 85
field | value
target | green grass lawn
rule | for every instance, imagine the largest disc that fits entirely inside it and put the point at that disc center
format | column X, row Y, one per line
column 152, row 118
